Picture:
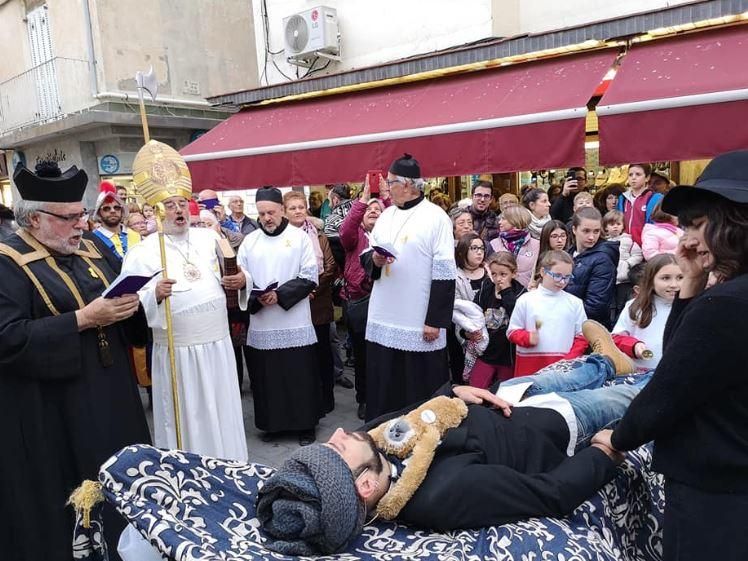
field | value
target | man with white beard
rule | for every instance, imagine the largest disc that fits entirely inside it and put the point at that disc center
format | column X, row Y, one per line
column 210, row 408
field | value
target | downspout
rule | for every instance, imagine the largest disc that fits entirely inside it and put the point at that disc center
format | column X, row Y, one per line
column 93, row 78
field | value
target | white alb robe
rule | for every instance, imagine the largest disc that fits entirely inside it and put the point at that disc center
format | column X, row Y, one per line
column 280, row 259
column 422, row 236
column 209, row 400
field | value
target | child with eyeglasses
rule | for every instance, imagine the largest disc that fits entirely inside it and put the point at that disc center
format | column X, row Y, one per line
column 496, row 297
column 546, row 324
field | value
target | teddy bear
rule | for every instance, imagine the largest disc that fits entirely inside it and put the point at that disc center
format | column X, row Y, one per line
column 413, row 438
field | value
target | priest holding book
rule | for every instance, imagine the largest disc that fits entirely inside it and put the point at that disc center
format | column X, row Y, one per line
column 280, row 260
column 210, row 409
column 68, row 399
column 411, row 261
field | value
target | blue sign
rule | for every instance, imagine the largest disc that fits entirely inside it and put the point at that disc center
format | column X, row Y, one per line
column 109, row 164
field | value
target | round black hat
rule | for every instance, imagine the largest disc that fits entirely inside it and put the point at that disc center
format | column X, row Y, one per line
column 726, row 176
column 407, row 166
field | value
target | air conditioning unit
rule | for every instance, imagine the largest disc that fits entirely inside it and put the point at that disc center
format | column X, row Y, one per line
column 311, row 33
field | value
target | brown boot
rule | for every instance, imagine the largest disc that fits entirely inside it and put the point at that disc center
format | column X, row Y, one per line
column 602, row 343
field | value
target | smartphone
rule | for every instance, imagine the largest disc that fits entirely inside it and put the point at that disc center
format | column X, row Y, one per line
column 572, row 175
column 373, row 177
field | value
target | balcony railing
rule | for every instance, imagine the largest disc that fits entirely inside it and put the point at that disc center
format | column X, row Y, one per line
column 45, row 93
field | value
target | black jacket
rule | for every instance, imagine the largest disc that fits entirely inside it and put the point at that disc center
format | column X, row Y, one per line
column 695, row 408
column 595, row 279
column 499, row 349
column 495, row 470
column 563, row 208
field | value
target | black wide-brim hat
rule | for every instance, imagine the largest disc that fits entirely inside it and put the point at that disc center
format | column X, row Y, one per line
column 725, row 177
column 49, row 184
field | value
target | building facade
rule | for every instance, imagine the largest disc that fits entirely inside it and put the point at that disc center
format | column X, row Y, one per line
column 68, row 91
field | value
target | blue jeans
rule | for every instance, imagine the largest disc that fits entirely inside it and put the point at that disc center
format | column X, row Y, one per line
column 580, row 382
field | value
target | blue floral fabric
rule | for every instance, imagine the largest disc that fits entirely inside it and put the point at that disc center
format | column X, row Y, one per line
column 195, row 508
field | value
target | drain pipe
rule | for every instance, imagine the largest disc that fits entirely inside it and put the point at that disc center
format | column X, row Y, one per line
column 93, row 78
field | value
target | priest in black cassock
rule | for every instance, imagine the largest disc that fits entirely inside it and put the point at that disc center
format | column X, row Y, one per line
column 68, row 399
column 280, row 259
column 412, row 264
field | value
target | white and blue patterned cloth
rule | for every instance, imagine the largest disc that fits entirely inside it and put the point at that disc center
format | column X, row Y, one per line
column 195, row 508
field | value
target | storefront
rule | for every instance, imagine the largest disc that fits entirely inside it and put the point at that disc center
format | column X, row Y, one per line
column 671, row 100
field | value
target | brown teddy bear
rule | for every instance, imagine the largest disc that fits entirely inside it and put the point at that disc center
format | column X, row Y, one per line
column 413, row 438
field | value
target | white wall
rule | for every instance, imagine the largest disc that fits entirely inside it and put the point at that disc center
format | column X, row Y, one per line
column 374, row 32
column 546, row 15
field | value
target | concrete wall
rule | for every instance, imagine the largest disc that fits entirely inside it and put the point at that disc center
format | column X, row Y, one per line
column 197, row 48
column 376, row 32
column 14, row 40
column 544, row 15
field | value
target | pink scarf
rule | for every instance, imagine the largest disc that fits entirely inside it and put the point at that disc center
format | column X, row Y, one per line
column 313, row 234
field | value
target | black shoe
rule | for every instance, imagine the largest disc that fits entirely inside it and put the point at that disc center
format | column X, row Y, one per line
column 361, row 413
column 345, row 382
column 306, row 438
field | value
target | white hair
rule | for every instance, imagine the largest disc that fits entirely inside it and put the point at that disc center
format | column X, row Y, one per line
column 417, row 182
column 24, row 210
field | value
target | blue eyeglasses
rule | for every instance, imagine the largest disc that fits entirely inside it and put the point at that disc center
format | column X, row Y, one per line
column 558, row 277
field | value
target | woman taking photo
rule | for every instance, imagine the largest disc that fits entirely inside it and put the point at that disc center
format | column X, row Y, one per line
column 595, row 265
column 536, row 201
column 515, row 238
column 694, row 407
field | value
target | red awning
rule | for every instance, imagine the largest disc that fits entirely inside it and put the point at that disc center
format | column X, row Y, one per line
column 678, row 99
column 527, row 116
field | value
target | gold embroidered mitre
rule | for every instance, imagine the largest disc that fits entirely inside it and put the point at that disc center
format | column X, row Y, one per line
column 159, row 172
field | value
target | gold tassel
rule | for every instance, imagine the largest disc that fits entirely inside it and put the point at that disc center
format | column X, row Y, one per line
column 84, row 498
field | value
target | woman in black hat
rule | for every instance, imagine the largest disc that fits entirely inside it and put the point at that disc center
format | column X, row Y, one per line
column 696, row 406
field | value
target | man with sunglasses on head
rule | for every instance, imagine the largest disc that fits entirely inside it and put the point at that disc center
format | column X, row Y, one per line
column 111, row 235
column 68, row 399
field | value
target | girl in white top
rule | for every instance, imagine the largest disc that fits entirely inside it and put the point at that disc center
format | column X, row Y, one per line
column 546, row 321
column 641, row 326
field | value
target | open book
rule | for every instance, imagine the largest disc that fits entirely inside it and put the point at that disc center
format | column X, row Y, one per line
column 257, row 292
column 382, row 248
column 127, row 284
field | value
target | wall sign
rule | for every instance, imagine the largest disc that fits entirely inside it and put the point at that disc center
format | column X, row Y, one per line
column 109, row 164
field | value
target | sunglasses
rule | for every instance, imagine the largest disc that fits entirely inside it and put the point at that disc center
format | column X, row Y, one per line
column 74, row 218
column 558, row 277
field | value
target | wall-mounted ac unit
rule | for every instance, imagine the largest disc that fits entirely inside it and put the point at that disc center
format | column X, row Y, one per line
column 311, row 32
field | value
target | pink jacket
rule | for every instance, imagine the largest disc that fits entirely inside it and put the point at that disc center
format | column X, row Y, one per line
column 526, row 258
column 354, row 241
column 659, row 238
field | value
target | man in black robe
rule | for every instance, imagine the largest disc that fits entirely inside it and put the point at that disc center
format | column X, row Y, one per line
column 283, row 360
column 68, row 399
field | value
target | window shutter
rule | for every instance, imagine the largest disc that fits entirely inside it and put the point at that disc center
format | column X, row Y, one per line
column 43, row 63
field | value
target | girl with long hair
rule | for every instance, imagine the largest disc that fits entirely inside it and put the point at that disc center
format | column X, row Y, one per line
column 641, row 325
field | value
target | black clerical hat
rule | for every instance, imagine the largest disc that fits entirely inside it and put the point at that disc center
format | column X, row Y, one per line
column 407, row 166
column 49, row 184
column 268, row 193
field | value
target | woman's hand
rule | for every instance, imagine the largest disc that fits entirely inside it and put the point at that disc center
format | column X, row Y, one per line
column 366, row 193
column 691, row 264
column 474, row 335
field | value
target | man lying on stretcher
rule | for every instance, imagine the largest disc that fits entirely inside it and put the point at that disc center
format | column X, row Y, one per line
column 468, row 458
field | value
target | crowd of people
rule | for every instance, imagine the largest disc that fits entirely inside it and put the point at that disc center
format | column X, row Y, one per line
column 490, row 292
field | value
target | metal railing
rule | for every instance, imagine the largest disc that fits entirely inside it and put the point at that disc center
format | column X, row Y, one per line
column 45, row 93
